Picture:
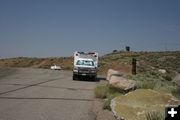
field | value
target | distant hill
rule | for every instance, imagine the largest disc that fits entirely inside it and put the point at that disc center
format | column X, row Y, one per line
column 119, row 60
column 64, row 62
column 146, row 61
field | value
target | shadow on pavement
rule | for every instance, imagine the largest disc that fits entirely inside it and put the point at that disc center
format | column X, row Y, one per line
column 86, row 79
column 7, row 72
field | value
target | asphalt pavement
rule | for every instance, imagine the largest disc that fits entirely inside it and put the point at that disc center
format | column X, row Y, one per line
column 40, row 94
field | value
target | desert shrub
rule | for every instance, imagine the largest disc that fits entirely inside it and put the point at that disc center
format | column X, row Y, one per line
column 178, row 70
column 176, row 92
column 167, row 77
column 101, row 91
column 106, row 104
column 154, row 115
column 112, row 93
column 146, row 84
column 107, row 93
column 151, row 80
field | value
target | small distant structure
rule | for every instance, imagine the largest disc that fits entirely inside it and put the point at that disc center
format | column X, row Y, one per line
column 127, row 48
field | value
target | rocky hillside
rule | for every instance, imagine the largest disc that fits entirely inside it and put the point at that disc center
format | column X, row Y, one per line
column 146, row 61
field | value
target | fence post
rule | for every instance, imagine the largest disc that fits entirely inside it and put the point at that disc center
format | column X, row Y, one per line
column 134, row 66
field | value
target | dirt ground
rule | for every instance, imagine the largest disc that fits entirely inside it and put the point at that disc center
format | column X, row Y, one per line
column 101, row 114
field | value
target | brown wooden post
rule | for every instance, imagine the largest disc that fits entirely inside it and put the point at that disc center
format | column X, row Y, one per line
column 134, row 66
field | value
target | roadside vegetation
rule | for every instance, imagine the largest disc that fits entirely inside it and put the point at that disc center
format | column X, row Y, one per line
column 176, row 92
column 154, row 115
column 107, row 93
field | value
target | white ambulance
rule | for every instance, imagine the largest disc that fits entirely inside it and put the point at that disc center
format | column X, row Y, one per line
column 85, row 64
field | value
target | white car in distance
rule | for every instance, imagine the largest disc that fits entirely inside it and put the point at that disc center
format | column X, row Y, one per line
column 55, row 67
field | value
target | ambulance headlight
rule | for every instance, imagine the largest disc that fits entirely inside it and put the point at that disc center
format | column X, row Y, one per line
column 75, row 69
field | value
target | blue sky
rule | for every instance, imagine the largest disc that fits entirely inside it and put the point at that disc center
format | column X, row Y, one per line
column 45, row 28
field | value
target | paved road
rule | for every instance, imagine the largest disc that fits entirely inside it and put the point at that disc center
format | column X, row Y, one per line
column 38, row 94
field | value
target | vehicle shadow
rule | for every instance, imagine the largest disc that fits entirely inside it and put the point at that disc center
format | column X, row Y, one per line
column 88, row 79
column 101, row 78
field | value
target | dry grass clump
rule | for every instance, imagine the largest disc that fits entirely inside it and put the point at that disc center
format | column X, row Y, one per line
column 107, row 93
column 154, row 115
